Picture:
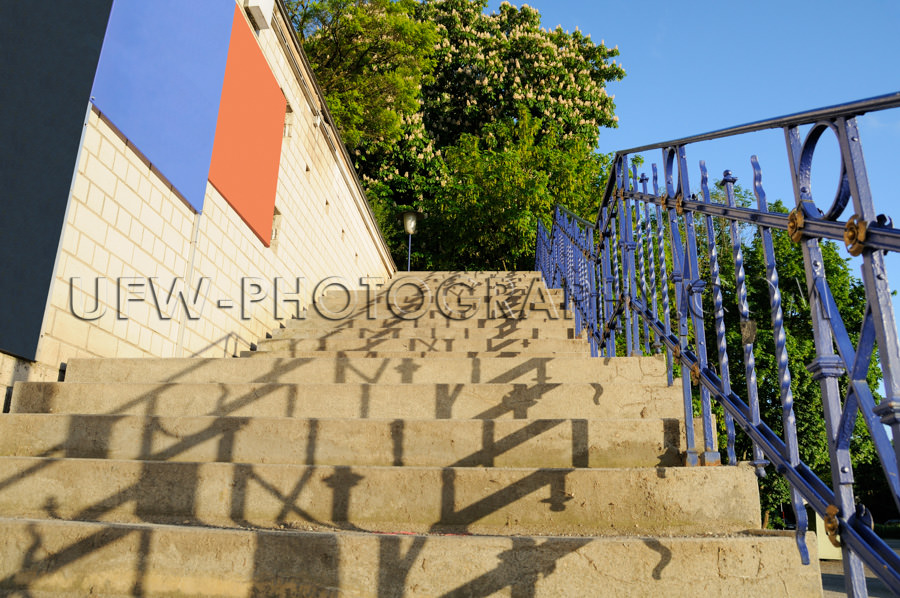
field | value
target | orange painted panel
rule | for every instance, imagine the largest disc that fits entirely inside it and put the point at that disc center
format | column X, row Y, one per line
column 247, row 148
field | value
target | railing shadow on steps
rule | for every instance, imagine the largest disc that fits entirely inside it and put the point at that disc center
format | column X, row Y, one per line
column 39, row 561
column 636, row 269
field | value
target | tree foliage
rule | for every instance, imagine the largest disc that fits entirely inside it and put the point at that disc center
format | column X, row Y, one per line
column 507, row 126
column 492, row 67
column 503, row 182
column 370, row 59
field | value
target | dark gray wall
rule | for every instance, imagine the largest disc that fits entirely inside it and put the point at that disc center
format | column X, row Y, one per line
column 48, row 55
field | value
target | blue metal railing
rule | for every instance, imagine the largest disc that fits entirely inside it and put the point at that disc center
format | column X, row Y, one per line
column 647, row 252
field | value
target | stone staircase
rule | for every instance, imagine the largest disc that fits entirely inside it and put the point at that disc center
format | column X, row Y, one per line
column 377, row 455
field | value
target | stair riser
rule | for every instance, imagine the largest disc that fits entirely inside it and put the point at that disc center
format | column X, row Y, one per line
column 514, row 313
column 413, row 293
column 521, row 370
column 426, row 331
column 422, row 345
column 408, row 354
column 436, row 443
column 482, row 275
column 476, row 500
column 450, row 293
column 81, row 559
column 329, row 309
column 432, row 319
column 411, row 401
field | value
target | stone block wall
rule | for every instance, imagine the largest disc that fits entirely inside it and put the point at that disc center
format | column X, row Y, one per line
column 125, row 224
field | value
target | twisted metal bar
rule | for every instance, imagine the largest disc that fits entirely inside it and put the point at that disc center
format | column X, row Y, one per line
column 748, row 328
column 784, row 375
column 593, row 295
column 718, row 308
column 657, row 345
column 664, row 291
column 609, row 286
column 639, row 247
column 627, row 272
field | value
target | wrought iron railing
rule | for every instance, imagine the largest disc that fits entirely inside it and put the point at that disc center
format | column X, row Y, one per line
column 637, row 270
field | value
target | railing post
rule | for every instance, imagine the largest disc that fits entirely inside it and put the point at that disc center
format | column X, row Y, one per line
column 580, row 277
column 693, row 288
column 554, row 250
column 630, row 248
column 592, row 288
column 639, row 247
column 692, row 457
column 719, row 311
column 878, row 291
column 625, row 250
column 827, row 368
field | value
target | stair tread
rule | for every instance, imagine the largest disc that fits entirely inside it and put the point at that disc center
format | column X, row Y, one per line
column 478, row 499
column 380, row 441
column 363, row 369
column 96, row 559
column 426, row 400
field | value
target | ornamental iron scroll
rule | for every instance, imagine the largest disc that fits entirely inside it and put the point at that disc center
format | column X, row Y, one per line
column 634, row 279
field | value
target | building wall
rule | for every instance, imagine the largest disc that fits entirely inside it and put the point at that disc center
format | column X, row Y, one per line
column 124, row 219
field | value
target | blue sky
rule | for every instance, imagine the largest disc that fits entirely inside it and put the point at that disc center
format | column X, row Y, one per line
column 703, row 65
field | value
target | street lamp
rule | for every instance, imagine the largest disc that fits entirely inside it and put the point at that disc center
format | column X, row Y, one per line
column 410, row 220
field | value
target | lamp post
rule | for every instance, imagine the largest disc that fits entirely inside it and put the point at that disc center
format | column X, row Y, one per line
column 410, row 220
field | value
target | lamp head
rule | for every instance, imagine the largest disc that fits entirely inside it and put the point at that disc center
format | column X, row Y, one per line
column 410, row 220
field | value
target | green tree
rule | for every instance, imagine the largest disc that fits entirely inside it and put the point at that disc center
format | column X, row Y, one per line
column 491, row 67
column 502, row 183
column 504, row 95
column 370, row 58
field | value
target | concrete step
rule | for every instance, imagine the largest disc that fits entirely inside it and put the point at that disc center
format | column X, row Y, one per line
column 475, row 274
column 443, row 301
column 378, row 442
column 525, row 370
column 331, row 313
column 434, row 319
column 479, row 330
column 54, row 558
column 289, row 354
column 622, row 400
column 442, row 345
column 545, row 501
column 472, row 288
column 411, row 289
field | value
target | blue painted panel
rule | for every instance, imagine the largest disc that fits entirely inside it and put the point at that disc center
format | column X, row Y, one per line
column 50, row 52
column 159, row 81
